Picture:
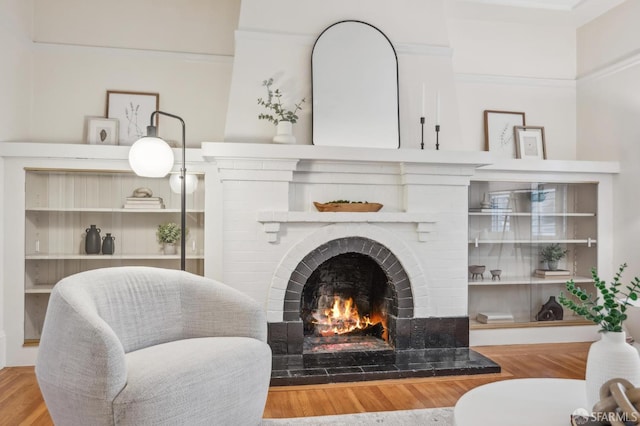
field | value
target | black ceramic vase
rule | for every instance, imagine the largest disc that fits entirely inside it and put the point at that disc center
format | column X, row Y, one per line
column 92, row 240
column 550, row 311
column 108, row 246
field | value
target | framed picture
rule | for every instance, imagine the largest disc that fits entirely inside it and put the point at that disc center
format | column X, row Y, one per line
column 498, row 132
column 133, row 111
column 530, row 142
column 102, row 131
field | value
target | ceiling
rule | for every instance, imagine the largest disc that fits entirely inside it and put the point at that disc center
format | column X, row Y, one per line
column 581, row 11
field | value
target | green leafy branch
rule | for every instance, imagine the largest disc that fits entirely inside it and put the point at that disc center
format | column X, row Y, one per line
column 273, row 103
column 610, row 313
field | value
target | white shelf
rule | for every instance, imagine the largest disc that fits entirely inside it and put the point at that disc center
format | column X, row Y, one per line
column 529, row 214
column 108, row 257
column 107, row 210
column 578, row 241
column 42, row 289
column 529, row 280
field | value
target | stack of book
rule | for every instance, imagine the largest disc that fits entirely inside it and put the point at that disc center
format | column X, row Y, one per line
column 144, row 203
column 493, row 317
column 556, row 273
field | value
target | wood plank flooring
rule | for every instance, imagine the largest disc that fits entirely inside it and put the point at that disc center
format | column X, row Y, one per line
column 21, row 402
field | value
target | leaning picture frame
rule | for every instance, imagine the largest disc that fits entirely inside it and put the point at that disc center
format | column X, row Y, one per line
column 102, row 131
column 530, row 142
column 133, row 111
column 498, row 132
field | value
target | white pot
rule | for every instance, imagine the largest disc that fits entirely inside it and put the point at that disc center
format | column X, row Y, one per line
column 169, row 248
column 608, row 358
column 284, row 133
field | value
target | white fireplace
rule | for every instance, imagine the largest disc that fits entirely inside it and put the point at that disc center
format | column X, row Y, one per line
column 263, row 198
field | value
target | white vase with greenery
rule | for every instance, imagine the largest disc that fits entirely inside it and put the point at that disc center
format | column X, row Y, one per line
column 277, row 114
column 611, row 356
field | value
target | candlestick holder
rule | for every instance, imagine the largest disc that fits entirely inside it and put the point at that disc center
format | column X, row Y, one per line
column 437, row 137
column 421, row 132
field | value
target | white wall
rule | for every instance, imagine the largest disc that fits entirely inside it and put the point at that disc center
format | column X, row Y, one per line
column 15, row 95
column 180, row 50
column 479, row 57
column 607, row 114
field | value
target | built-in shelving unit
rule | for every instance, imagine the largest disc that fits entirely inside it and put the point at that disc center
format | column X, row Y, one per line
column 60, row 204
column 517, row 220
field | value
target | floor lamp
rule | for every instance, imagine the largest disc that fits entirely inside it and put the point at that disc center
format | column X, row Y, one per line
column 151, row 156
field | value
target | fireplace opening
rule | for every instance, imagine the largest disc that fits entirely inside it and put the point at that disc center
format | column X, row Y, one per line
column 345, row 304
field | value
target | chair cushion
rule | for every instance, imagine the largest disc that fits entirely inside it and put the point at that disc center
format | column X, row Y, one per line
column 180, row 382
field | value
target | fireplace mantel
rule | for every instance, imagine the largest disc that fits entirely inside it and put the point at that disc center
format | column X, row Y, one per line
column 256, row 151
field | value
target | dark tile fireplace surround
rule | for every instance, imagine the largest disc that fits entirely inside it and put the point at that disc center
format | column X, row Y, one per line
column 371, row 274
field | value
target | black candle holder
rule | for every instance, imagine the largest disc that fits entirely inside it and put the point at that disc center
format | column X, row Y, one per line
column 421, row 132
column 437, row 137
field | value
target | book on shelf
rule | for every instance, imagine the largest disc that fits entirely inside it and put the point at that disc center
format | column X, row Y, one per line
column 494, row 317
column 546, row 273
column 489, row 210
column 146, row 200
column 143, row 206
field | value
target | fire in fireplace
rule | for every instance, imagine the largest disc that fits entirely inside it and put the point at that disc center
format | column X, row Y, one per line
column 346, row 296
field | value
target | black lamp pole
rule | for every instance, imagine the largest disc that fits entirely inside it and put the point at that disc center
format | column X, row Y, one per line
column 152, row 131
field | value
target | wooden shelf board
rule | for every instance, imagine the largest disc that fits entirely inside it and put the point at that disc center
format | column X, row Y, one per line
column 107, row 210
column 475, row 325
column 528, row 214
column 41, row 290
column 31, row 342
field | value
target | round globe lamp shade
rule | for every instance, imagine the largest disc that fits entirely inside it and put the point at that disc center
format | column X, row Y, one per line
column 191, row 183
column 151, row 157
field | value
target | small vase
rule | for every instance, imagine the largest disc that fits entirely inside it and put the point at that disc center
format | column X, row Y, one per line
column 169, row 248
column 92, row 240
column 608, row 358
column 284, row 133
column 552, row 265
column 108, row 244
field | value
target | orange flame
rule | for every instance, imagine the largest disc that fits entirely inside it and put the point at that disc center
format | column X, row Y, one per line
column 342, row 317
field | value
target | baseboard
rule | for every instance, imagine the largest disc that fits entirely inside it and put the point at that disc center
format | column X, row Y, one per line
column 3, row 349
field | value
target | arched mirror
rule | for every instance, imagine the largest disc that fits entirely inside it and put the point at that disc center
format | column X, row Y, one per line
column 354, row 70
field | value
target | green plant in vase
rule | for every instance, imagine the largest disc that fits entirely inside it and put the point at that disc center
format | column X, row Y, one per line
column 278, row 114
column 168, row 234
column 551, row 254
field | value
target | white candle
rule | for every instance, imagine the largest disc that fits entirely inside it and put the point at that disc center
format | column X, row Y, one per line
column 423, row 99
column 438, row 108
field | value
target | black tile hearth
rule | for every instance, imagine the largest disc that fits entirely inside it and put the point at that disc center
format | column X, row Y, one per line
column 378, row 364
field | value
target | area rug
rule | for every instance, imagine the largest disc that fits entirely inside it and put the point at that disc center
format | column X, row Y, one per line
column 422, row 417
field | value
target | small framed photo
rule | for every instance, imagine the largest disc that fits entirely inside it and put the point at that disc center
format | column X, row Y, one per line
column 530, row 142
column 102, row 131
column 133, row 111
column 498, row 132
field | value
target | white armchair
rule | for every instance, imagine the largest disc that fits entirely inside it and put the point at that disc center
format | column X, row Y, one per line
column 149, row 346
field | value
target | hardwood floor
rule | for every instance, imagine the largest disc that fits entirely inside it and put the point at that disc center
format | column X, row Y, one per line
column 21, row 402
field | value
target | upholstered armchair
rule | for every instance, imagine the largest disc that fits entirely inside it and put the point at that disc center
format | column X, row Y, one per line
column 149, row 346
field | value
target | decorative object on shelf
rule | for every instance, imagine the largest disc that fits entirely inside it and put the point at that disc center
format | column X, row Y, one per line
column 611, row 356
column 437, row 121
column 152, row 157
column 551, row 254
column 550, row 311
column 477, row 271
column 485, row 204
column 494, row 317
column 530, row 142
column 143, row 203
column 499, row 131
column 142, row 192
column 92, row 240
column 495, row 274
column 130, row 109
column 284, row 133
column 277, row 114
column 168, row 234
column 619, row 399
column 108, row 246
column 101, row 131
column 347, row 206
column 556, row 273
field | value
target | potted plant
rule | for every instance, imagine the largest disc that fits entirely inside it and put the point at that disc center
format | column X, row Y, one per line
column 168, row 234
column 611, row 356
column 551, row 254
column 277, row 114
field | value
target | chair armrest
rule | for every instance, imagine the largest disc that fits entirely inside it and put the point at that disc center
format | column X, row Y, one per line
column 212, row 309
column 79, row 353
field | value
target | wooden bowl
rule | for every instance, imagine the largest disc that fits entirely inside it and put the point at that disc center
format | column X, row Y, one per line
column 347, row 207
